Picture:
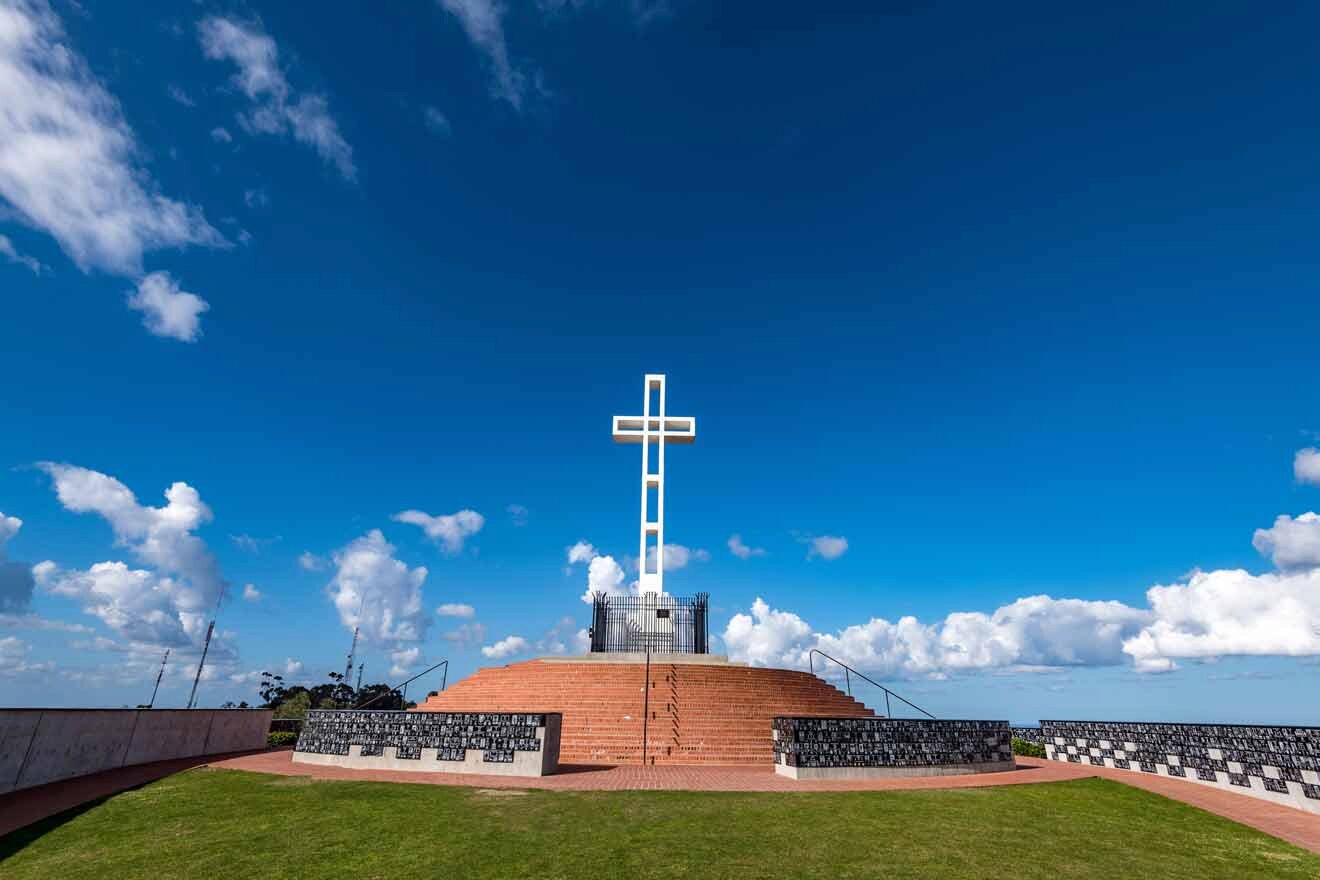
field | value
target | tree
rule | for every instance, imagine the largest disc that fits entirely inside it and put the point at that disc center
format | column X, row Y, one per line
column 294, row 707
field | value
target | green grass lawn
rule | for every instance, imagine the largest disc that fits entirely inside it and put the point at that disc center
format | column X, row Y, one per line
column 229, row 825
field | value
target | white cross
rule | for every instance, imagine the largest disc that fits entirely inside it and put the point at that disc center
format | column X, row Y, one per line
column 660, row 430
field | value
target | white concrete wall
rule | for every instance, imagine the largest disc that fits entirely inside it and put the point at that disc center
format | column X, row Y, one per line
column 46, row 745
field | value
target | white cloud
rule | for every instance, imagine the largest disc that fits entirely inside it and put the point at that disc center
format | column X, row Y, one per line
column 309, row 561
column 374, row 590
column 12, row 649
column 456, row 609
column 1291, row 543
column 605, row 576
column 517, row 514
column 292, row 667
column 138, row 604
column 160, row 536
column 1306, row 466
column 255, row 198
column 643, row 12
column 677, row 556
column 43, row 624
column 508, row 646
column 404, row 660
column 1034, row 631
column 180, row 96
column 481, row 22
column 69, row 163
column 10, row 253
column 450, row 530
column 221, row 135
column 251, row 593
column 741, row 550
column 1230, row 612
column 466, row 634
column 9, row 526
column 276, row 108
column 562, row 638
column 827, row 547
column 581, row 552
column 166, row 309
column 436, row 121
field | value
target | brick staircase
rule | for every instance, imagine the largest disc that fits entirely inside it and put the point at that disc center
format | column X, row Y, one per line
column 698, row 714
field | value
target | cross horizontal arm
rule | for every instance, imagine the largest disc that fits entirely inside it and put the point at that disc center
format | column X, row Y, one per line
column 630, row 429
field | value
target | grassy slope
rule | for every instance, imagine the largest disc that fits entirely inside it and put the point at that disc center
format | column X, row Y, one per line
column 226, row 825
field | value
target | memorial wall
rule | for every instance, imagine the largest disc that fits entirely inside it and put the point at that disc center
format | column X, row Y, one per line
column 853, row 748
column 497, row 743
column 38, row 746
column 1281, row 764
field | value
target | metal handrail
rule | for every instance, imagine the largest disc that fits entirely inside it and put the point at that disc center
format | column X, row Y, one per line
column 395, row 689
column 848, row 680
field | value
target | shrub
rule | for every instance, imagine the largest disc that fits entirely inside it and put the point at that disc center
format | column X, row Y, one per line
column 1028, row 749
column 278, row 739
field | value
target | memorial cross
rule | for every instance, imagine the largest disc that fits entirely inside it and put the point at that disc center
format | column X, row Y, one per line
column 661, row 430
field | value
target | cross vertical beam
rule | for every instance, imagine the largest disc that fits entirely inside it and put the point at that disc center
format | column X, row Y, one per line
column 658, row 428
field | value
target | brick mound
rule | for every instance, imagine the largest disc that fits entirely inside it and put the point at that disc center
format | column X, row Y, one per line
column 699, row 714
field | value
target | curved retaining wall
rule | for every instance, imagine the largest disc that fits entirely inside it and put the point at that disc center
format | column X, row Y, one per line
column 1280, row 764
column 46, row 745
column 859, row 748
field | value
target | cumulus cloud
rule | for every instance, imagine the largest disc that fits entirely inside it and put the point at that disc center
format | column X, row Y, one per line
column 168, row 310
column 221, row 135
column 292, row 667
column 826, row 547
column 509, row 646
column 582, row 551
column 1230, row 612
column 138, row 604
column 404, row 660
column 69, row 163
column 13, row 659
column 456, row 609
column 159, row 536
column 466, row 634
column 677, row 556
column 309, row 561
column 605, row 576
column 10, row 253
column 276, row 108
column 436, row 121
column 741, row 550
column 377, row 592
column 251, row 593
column 1291, row 543
column 563, row 638
column 482, row 22
column 180, row 96
column 1306, row 466
column 1034, row 631
column 449, row 530
column 9, row 526
column 38, row 623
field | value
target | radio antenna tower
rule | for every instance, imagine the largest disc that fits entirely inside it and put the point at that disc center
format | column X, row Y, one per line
column 359, row 683
column 206, row 646
column 159, row 676
column 352, row 650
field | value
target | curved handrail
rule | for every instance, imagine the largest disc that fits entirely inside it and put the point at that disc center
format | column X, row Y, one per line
column 395, row 689
column 888, row 693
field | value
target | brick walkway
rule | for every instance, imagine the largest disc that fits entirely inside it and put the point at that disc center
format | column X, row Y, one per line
column 1295, row 826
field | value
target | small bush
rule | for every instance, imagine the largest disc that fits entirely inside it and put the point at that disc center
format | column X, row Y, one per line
column 278, row 739
column 1028, row 749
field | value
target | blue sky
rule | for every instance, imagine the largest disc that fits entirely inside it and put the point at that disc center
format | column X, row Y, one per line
column 1019, row 303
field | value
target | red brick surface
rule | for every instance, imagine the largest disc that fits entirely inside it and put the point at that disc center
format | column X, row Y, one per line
column 695, row 714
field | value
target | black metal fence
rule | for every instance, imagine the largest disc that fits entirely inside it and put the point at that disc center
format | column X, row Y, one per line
column 659, row 624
